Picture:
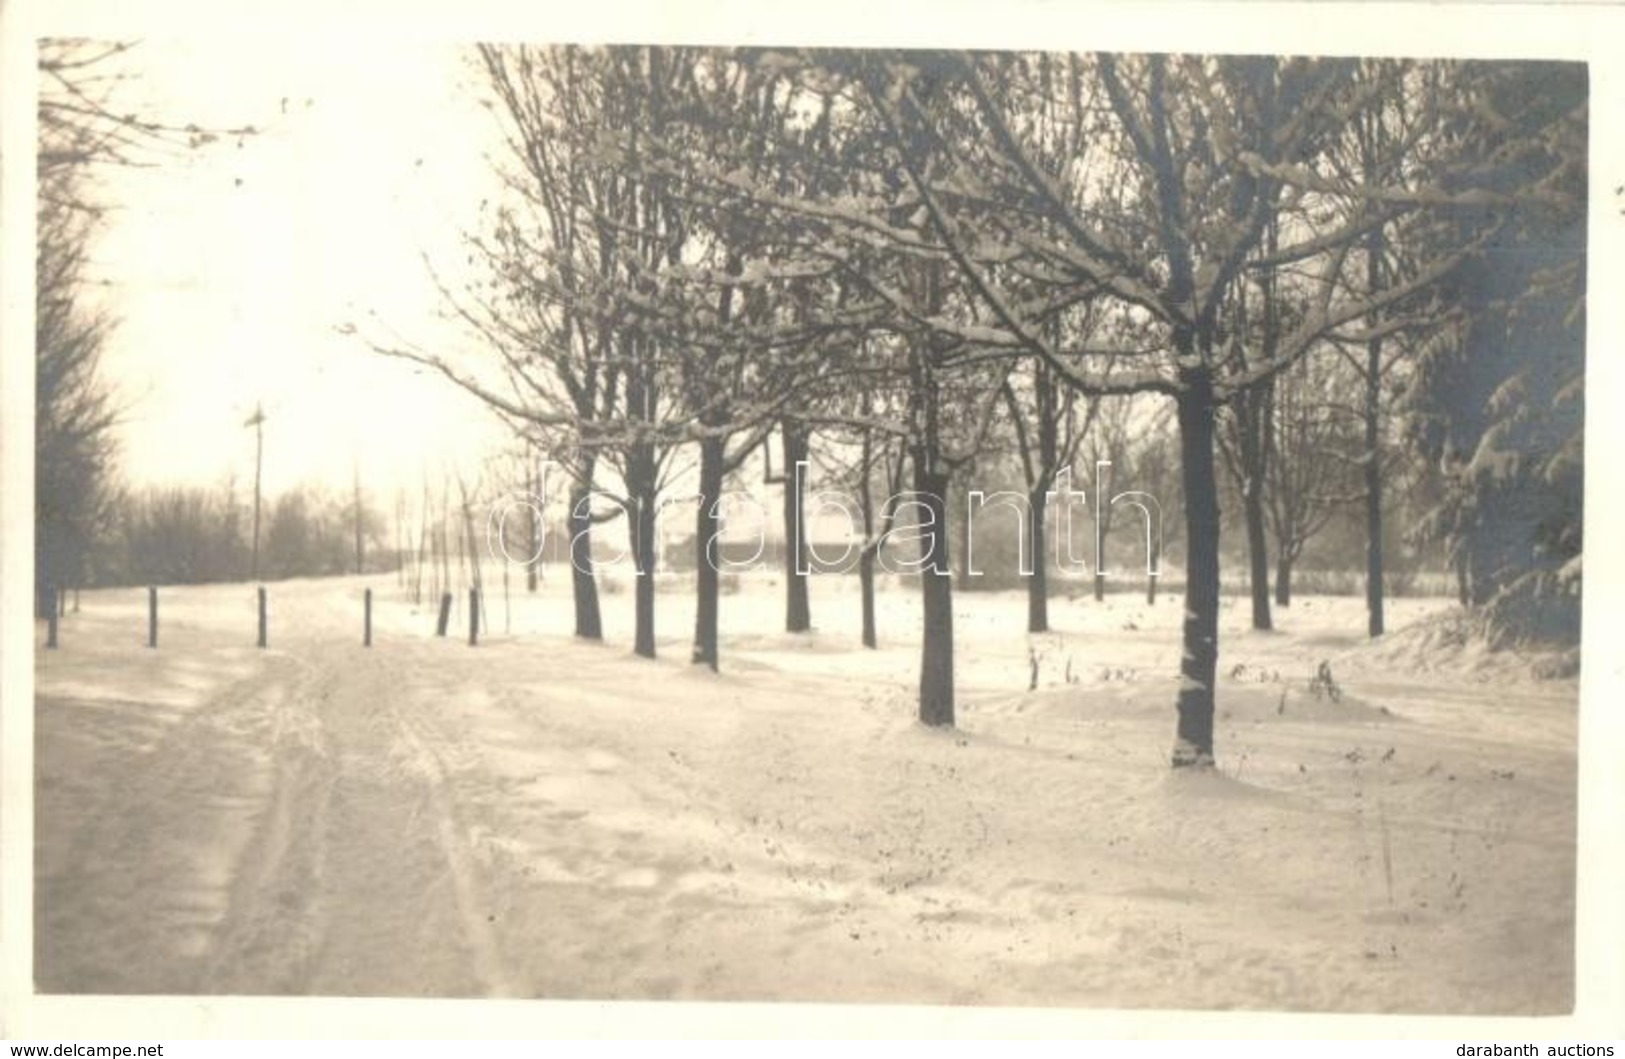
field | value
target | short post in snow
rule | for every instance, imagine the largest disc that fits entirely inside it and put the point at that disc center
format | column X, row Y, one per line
column 366, row 618
column 444, row 621
column 263, row 623
column 473, row 617
column 50, row 622
column 152, row 615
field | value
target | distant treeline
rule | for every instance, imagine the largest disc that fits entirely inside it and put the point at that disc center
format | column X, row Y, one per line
column 190, row 535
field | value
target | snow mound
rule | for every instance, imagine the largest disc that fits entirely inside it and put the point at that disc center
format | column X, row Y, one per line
column 1449, row 642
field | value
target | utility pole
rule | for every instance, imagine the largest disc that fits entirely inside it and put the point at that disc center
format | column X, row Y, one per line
column 257, row 421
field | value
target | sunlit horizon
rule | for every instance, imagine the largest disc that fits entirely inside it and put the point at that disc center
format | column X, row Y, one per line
column 235, row 264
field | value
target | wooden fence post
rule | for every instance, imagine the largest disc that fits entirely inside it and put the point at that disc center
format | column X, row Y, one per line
column 473, row 617
column 445, row 615
column 263, row 623
column 152, row 615
column 50, row 622
column 366, row 621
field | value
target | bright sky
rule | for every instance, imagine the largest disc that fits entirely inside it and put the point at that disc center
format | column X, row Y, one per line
column 230, row 269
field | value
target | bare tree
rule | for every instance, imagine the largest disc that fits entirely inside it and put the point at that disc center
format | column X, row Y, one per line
column 1048, row 433
column 86, row 127
column 1307, row 476
column 74, row 408
column 1208, row 152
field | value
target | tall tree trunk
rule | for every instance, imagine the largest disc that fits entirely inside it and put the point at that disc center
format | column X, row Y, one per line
column 966, row 538
column 866, row 588
column 1193, row 744
column 1373, row 494
column 1373, row 410
column 1283, row 579
column 1257, row 549
column 43, row 604
column 936, row 592
column 866, row 557
column 583, row 578
column 707, row 525
column 931, row 486
column 643, row 555
column 1048, row 430
column 1258, row 431
column 643, row 491
column 797, row 610
column 1038, row 580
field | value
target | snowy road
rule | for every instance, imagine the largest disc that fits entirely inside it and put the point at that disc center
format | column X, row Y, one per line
column 538, row 817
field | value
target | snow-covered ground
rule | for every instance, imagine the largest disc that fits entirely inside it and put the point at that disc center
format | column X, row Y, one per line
column 544, row 817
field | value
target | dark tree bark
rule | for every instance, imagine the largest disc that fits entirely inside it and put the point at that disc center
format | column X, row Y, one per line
column 1247, row 454
column 866, row 582
column 1252, row 498
column 1373, row 493
column 1049, row 458
column 643, row 547
column 797, row 609
column 706, row 558
column 1260, row 403
column 43, row 606
column 1040, row 461
column 866, row 557
column 1193, row 745
column 966, row 542
column 931, row 481
column 643, row 491
column 936, row 590
column 583, row 580
column 1307, row 471
column 1038, row 580
column 1373, row 412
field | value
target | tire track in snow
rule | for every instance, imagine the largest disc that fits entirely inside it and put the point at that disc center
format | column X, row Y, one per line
column 146, row 886
column 487, row 953
column 402, row 901
column 273, row 929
